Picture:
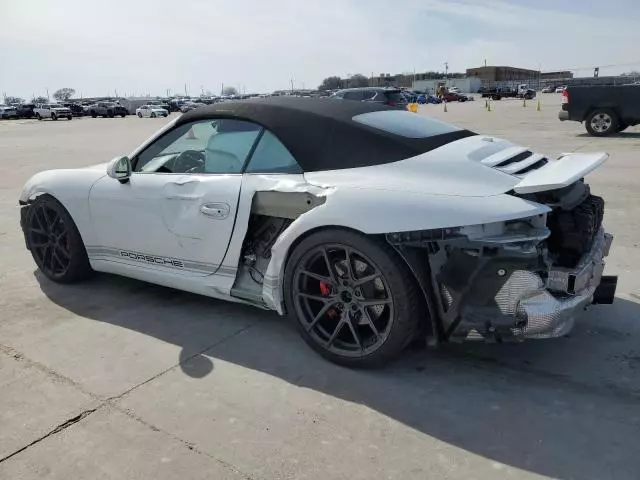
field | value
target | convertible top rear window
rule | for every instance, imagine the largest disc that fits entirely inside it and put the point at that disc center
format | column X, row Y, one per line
column 405, row 124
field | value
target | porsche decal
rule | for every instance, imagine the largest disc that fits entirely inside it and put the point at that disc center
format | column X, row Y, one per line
column 169, row 262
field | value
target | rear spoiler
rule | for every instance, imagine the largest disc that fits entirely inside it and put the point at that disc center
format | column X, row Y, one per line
column 564, row 171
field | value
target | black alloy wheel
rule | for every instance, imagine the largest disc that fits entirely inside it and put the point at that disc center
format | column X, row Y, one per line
column 353, row 300
column 54, row 241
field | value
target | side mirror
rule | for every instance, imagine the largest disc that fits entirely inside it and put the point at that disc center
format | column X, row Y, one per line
column 120, row 169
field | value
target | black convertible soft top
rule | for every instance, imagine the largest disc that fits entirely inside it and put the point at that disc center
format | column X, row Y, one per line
column 321, row 133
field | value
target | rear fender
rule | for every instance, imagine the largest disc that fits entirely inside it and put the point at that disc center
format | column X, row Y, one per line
column 393, row 212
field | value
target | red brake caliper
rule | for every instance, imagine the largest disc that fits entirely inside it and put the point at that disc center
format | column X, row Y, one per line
column 325, row 290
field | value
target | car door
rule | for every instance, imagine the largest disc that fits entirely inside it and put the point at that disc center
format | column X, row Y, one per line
column 177, row 210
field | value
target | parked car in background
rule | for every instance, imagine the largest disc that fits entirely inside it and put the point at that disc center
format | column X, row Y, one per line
column 561, row 88
column 454, row 97
column 604, row 109
column 547, row 90
column 188, row 106
column 107, row 109
column 77, row 110
column 54, row 111
column 151, row 111
column 25, row 110
column 8, row 111
column 428, row 98
column 392, row 97
column 162, row 105
column 454, row 90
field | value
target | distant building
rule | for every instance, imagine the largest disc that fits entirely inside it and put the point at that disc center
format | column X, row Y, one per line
column 560, row 75
column 502, row 73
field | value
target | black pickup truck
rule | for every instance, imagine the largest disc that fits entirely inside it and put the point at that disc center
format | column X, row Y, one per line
column 604, row 109
column 107, row 109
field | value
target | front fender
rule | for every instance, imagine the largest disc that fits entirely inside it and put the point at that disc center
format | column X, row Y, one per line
column 383, row 211
column 71, row 188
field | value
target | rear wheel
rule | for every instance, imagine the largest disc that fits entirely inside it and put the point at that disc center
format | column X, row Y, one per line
column 69, row 117
column 54, row 117
column 38, row 116
column 602, row 122
column 353, row 299
column 153, row 115
column 54, row 241
column 139, row 114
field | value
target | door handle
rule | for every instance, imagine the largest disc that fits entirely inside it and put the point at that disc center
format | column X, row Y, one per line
column 182, row 197
column 184, row 181
column 216, row 210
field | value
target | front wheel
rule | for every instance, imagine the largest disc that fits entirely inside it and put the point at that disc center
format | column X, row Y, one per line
column 38, row 116
column 69, row 117
column 54, row 241
column 54, row 117
column 602, row 122
column 139, row 114
column 352, row 297
column 153, row 115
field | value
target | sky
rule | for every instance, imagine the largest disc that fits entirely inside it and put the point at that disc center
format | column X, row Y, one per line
column 132, row 47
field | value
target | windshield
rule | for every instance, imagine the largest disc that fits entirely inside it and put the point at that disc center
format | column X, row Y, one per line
column 405, row 124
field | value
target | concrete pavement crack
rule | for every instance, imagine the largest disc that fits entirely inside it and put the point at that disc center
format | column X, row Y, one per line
column 173, row 367
column 63, row 426
column 190, row 445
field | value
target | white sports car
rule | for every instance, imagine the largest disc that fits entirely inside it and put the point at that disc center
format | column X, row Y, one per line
column 370, row 227
column 151, row 111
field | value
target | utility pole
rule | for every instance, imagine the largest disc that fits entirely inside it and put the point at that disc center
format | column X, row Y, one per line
column 185, row 90
column 47, row 94
column 485, row 63
column 292, row 85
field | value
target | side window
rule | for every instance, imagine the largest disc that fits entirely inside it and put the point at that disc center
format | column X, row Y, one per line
column 369, row 94
column 208, row 146
column 271, row 156
column 353, row 95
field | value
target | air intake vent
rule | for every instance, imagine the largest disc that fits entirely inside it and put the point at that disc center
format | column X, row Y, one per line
column 516, row 159
column 539, row 164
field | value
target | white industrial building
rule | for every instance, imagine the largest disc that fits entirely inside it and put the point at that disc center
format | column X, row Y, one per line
column 466, row 84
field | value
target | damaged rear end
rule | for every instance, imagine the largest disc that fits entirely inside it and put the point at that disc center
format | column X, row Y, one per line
column 521, row 278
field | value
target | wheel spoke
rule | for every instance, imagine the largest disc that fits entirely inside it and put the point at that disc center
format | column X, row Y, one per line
column 317, row 298
column 332, row 274
column 65, row 253
column 354, row 334
column 62, row 234
column 336, row 331
column 319, row 315
column 370, row 303
column 38, row 244
column 43, row 214
column 51, row 260
column 367, row 279
column 315, row 276
column 37, row 231
column 350, row 272
column 369, row 320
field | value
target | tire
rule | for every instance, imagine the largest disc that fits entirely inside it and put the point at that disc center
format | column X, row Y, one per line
column 496, row 97
column 153, row 115
column 47, row 215
column 165, row 115
column 69, row 117
column 123, row 115
column 110, row 114
column 38, row 116
column 94, row 115
column 54, row 116
column 602, row 122
column 338, row 304
column 139, row 115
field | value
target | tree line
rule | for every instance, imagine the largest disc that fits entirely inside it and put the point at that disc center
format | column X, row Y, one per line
column 61, row 95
